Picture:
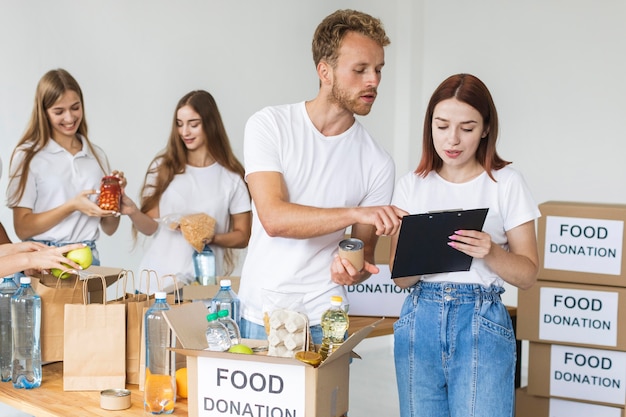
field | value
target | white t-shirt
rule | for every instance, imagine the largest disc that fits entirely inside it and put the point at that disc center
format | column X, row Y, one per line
column 213, row 190
column 346, row 170
column 56, row 176
column 509, row 201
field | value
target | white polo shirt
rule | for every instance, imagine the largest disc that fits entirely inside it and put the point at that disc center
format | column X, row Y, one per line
column 56, row 176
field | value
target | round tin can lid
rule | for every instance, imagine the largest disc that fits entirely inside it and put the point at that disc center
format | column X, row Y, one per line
column 115, row 399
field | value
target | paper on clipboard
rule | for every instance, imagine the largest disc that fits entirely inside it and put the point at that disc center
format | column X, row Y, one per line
column 423, row 242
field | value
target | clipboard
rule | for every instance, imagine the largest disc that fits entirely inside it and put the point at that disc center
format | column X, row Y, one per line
column 423, row 242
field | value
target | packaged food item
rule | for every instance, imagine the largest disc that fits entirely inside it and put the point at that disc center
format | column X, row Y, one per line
column 197, row 228
column 352, row 250
column 288, row 333
column 110, row 193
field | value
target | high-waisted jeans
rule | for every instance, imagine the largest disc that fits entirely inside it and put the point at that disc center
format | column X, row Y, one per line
column 455, row 352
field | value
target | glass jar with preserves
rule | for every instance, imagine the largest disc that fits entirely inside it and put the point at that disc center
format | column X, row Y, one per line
column 110, row 193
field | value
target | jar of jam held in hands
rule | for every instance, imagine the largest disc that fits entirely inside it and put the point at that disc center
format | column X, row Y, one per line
column 110, row 193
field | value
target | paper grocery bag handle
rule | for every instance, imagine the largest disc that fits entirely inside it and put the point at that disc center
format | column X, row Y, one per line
column 148, row 273
column 86, row 288
column 123, row 276
column 174, row 280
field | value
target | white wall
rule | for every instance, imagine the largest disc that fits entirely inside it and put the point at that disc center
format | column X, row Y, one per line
column 555, row 69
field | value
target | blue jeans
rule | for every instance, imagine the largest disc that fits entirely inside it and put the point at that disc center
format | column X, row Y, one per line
column 454, row 351
column 251, row 330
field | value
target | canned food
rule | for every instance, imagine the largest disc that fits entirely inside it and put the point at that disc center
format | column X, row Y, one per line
column 110, row 193
column 115, row 399
column 352, row 250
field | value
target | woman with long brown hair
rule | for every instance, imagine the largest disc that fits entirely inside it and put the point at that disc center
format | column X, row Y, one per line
column 56, row 170
column 196, row 173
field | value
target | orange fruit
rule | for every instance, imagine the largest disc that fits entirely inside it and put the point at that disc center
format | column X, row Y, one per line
column 181, row 382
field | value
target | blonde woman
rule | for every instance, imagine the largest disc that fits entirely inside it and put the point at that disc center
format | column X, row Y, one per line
column 55, row 171
column 196, row 173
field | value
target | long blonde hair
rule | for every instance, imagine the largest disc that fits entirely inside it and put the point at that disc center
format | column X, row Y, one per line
column 49, row 89
column 173, row 159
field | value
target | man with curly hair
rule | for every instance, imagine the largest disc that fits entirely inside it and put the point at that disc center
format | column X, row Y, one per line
column 313, row 172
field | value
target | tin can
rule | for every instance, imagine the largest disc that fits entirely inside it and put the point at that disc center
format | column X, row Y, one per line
column 110, row 193
column 352, row 250
column 115, row 399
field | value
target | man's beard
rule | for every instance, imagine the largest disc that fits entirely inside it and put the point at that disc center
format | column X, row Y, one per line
column 342, row 98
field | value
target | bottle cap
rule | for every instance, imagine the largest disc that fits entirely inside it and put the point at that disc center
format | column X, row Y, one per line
column 25, row 280
column 160, row 295
column 223, row 313
column 225, row 283
column 336, row 299
column 212, row 316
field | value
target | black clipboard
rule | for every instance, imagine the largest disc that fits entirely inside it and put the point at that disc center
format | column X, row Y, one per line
column 423, row 242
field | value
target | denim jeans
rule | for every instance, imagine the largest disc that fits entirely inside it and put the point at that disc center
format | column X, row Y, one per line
column 455, row 353
column 251, row 330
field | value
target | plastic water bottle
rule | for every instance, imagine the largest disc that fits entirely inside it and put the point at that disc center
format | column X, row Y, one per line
column 160, row 384
column 233, row 329
column 7, row 289
column 26, row 329
column 217, row 335
column 226, row 299
column 335, row 323
column 204, row 265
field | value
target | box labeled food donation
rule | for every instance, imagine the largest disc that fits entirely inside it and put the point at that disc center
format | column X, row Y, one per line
column 195, row 292
column 578, row 314
column 582, row 242
column 527, row 405
column 577, row 373
column 378, row 296
column 231, row 384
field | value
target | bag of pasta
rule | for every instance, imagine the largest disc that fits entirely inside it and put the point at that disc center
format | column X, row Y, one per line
column 197, row 228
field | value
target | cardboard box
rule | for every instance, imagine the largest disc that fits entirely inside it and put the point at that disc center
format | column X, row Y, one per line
column 573, row 314
column 527, row 405
column 582, row 242
column 589, row 375
column 206, row 292
column 228, row 384
column 378, row 296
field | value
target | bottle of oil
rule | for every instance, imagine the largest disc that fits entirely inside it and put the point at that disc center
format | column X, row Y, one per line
column 335, row 324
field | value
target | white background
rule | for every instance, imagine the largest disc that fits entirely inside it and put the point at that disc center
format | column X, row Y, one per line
column 555, row 69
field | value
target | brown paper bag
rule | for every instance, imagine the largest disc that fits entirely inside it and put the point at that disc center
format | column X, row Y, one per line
column 135, row 304
column 55, row 293
column 94, row 345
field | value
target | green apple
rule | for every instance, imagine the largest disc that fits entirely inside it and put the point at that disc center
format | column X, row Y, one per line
column 82, row 257
column 241, row 348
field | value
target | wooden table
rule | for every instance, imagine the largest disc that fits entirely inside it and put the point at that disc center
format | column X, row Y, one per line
column 50, row 400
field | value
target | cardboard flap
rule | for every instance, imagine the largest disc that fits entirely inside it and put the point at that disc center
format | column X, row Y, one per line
column 347, row 346
column 188, row 322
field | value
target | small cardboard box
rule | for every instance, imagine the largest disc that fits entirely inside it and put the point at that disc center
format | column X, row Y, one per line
column 378, row 296
column 206, row 292
column 230, row 384
column 582, row 242
column 576, row 314
column 527, row 405
column 576, row 373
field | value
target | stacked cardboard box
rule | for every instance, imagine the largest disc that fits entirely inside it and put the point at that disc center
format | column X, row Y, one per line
column 575, row 316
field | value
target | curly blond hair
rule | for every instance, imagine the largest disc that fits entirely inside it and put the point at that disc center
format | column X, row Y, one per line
column 331, row 31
